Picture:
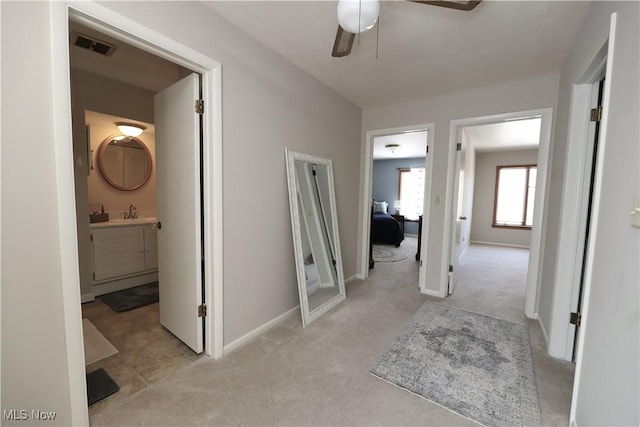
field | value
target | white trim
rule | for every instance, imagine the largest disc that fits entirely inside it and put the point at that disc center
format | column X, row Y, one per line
column 575, row 197
column 247, row 338
column 595, row 213
column 544, row 331
column 124, row 283
column 367, row 190
column 432, row 293
column 506, row 245
column 351, row 278
column 539, row 214
column 87, row 297
column 124, row 28
column 66, row 211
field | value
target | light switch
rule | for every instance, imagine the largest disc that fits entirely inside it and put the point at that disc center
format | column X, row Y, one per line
column 635, row 213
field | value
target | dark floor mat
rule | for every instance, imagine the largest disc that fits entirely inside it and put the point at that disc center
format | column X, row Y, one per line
column 99, row 386
column 129, row 299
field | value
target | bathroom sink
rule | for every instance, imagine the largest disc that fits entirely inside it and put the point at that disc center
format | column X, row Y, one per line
column 134, row 220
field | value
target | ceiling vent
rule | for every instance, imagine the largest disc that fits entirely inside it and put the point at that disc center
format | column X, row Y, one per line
column 90, row 43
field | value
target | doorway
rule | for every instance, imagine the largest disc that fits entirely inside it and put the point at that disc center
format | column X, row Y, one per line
column 133, row 257
column 458, row 206
column 121, row 27
column 398, row 167
column 494, row 198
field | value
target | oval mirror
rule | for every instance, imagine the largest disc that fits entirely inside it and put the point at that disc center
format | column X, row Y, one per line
column 124, row 162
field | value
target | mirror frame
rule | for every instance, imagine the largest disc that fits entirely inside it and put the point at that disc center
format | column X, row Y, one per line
column 105, row 176
column 292, row 181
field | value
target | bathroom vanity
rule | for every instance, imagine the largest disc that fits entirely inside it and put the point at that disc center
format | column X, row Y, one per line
column 124, row 254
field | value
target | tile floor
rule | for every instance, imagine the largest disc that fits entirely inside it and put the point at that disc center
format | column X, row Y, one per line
column 147, row 352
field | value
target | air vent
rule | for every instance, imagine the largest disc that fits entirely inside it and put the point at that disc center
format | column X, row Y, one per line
column 87, row 42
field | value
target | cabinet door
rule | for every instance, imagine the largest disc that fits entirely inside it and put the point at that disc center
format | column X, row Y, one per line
column 117, row 252
column 150, row 248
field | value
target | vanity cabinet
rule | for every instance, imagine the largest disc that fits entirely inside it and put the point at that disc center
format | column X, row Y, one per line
column 123, row 251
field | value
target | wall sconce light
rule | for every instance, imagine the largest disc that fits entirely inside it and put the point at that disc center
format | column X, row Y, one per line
column 130, row 129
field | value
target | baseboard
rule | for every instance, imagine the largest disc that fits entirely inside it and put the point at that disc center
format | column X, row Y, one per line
column 410, row 235
column 126, row 283
column 507, row 245
column 247, row 338
column 431, row 292
column 87, row 297
column 352, row 278
column 544, row 332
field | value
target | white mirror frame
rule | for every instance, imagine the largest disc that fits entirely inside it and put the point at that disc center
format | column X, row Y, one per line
column 292, row 180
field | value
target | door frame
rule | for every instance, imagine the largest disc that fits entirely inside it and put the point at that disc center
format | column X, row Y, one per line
column 539, row 212
column 130, row 31
column 367, row 187
column 571, row 235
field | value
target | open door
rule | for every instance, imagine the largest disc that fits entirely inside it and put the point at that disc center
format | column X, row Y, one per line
column 457, row 219
column 179, row 210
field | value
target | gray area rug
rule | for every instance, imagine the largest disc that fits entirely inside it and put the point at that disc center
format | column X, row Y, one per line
column 132, row 298
column 386, row 253
column 477, row 366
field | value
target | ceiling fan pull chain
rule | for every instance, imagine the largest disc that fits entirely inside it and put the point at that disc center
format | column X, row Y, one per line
column 378, row 35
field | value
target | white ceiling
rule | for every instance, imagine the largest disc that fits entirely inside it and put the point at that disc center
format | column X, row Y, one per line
column 512, row 135
column 423, row 50
column 411, row 144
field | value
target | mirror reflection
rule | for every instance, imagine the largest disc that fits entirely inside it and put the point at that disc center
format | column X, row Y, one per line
column 124, row 162
column 315, row 233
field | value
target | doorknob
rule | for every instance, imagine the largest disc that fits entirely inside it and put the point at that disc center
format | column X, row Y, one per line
column 157, row 225
column 462, row 218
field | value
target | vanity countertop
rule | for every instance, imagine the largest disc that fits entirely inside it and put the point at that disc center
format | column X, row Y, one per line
column 119, row 222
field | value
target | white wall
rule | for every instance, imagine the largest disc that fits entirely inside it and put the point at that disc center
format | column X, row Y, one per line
column 34, row 369
column 483, row 200
column 607, row 383
column 268, row 104
column 521, row 95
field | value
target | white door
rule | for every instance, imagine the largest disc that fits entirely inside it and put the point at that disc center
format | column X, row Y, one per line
column 177, row 127
column 456, row 219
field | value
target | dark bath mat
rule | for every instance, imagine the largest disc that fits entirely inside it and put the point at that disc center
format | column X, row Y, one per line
column 129, row 299
column 99, row 386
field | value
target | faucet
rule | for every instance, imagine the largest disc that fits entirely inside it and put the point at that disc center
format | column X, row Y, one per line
column 132, row 214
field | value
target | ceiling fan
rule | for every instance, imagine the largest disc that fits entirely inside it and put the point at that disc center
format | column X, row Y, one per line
column 358, row 16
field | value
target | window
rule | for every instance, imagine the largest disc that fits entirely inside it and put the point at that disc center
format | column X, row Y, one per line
column 515, row 195
column 411, row 192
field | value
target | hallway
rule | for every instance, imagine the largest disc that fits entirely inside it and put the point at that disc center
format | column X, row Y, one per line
column 320, row 375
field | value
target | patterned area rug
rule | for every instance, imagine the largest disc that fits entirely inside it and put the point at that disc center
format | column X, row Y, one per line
column 477, row 366
column 387, row 253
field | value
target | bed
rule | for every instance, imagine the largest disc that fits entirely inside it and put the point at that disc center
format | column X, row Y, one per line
column 384, row 227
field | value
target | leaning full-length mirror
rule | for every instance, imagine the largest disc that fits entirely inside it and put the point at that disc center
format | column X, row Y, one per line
column 315, row 234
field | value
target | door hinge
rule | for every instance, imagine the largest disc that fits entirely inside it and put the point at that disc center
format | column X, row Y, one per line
column 94, row 276
column 427, row 149
column 420, row 263
column 575, row 319
column 199, row 106
column 202, row 310
column 91, row 237
column 596, row 114
column 459, row 146
column 450, row 268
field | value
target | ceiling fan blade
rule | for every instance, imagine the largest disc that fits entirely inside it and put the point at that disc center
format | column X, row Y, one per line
column 451, row 4
column 344, row 42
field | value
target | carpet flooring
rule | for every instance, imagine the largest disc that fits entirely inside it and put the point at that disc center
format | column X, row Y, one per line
column 477, row 366
column 319, row 376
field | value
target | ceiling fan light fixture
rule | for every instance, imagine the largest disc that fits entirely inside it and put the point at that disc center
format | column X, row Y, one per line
column 130, row 129
column 358, row 16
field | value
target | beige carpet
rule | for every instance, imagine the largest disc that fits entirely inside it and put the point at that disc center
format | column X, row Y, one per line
column 96, row 346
